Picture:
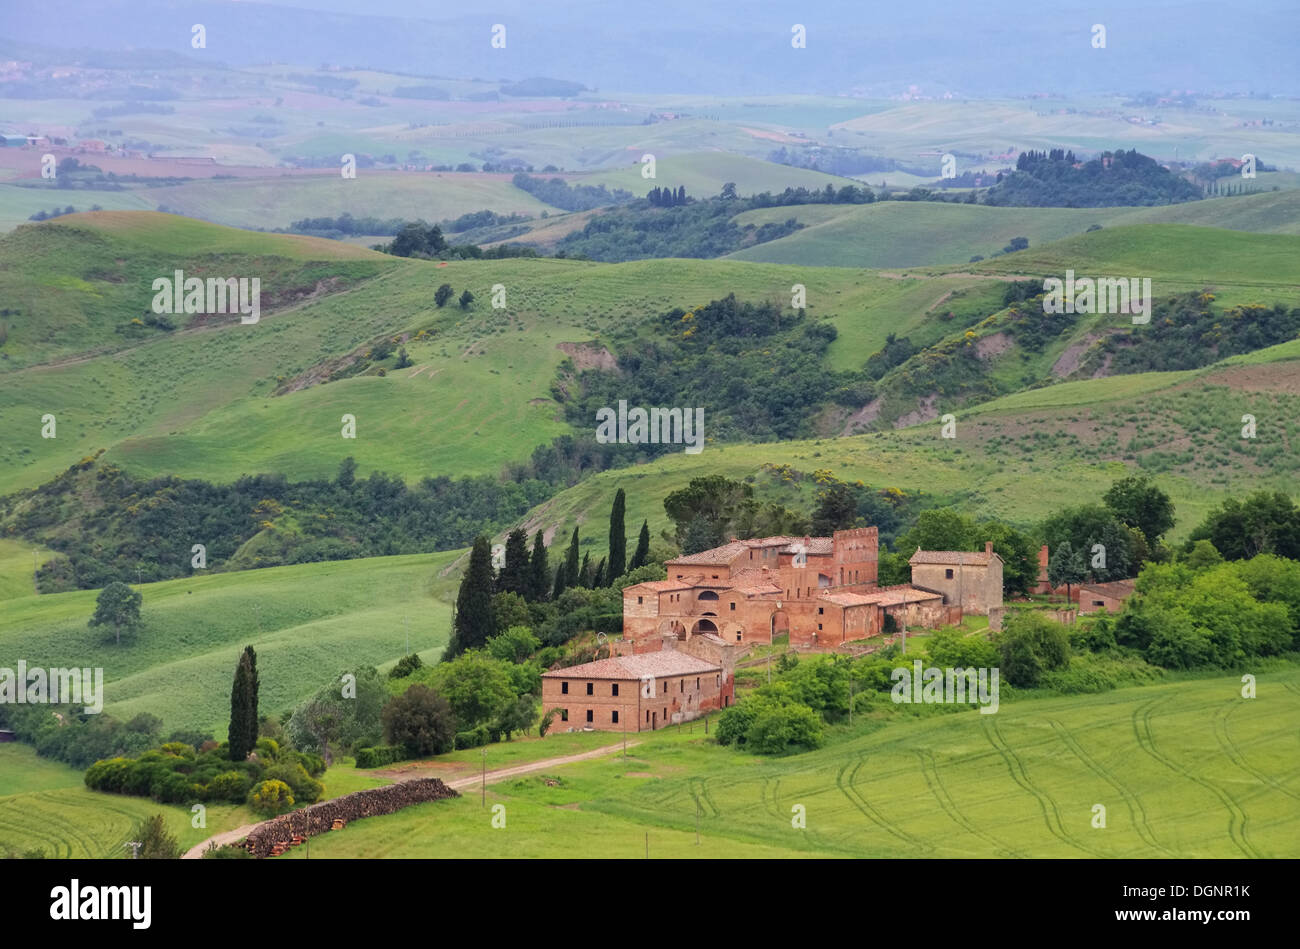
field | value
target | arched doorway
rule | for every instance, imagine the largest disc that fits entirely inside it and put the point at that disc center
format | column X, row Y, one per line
column 704, row 626
column 779, row 624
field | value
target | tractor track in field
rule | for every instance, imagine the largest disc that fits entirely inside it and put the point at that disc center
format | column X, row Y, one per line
column 1134, row 803
column 933, row 781
column 703, row 799
column 1237, row 819
column 770, row 803
column 1231, row 749
column 858, row 800
column 1292, row 686
column 1016, row 768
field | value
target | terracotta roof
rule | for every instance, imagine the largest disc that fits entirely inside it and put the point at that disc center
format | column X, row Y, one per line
column 815, row 545
column 666, row 662
column 959, row 557
column 891, row 597
column 658, row 586
column 718, row 555
column 1118, row 589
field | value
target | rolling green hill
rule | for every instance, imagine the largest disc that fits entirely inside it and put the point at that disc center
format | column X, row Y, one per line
column 915, row 234
column 704, row 174
column 308, row 623
column 1186, row 769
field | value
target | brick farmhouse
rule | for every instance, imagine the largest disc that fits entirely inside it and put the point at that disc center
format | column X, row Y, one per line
column 639, row 692
column 822, row 591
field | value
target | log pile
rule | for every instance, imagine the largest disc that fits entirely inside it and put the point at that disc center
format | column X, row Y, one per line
column 272, row 838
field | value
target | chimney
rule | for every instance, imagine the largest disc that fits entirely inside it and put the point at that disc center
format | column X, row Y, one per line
column 988, row 546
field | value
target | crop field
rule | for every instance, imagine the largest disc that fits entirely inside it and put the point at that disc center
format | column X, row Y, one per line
column 308, row 623
column 1183, row 769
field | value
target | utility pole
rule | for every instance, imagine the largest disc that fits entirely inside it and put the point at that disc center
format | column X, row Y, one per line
column 484, row 795
column 135, row 846
column 697, row 823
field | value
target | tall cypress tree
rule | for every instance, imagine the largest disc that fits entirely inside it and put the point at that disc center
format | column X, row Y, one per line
column 514, row 574
column 584, row 574
column 642, row 552
column 599, row 579
column 617, row 540
column 475, row 624
column 558, row 588
column 539, row 576
column 571, row 562
column 242, row 734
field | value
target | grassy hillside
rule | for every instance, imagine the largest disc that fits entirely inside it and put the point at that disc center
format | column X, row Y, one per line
column 277, row 201
column 308, row 623
column 913, row 234
column 704, row 174
column 1185, row 769
column 74, row 284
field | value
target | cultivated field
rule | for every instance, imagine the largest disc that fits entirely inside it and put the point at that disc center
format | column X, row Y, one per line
column 1185, row 769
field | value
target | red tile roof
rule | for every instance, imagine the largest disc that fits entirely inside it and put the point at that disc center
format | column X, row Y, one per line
column 666, row 662
column 960, row 557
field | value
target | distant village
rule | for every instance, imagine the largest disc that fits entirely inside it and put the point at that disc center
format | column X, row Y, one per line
column 683, row 636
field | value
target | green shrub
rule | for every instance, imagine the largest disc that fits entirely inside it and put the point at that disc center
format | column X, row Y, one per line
column 271, row 798
column 405, row 666
column 378, row 756
column 305, row 788
column 232, row 786
column 476, row 737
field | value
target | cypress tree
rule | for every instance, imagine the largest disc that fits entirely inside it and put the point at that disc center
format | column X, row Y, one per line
column 474, row 621
column 538, row 573
column 559, row 582
column 584, row 575
column 242, row 734
column 600, row 579
column 571, row 562
column 514, row 574
column 617, row 540
column 642, row 552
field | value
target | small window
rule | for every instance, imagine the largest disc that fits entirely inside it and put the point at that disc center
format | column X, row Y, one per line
column 697, row 682
column 590, row 715
column 820, row 611
column 647, row 715
column 638, row 601
column 614, row 718
column 564, row 714
column 681, row 686
column 564, row 688
column 947, row 574
column 737, row 635
column 819, row 625
column 1098, row 603
column 733, row 606
column 614, row 689
column 591, row 688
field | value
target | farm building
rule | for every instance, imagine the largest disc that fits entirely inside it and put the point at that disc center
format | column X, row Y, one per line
column 641, row 692
column 1108, row 596
column 822, row 591
column 972, row 581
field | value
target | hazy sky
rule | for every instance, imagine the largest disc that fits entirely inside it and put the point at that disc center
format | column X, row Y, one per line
column 733, row 47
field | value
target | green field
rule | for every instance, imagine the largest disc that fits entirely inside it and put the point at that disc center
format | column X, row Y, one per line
column 704, row 174
column 915, row 234
column 308, row 623
column 1186, row 769
column 278, row 201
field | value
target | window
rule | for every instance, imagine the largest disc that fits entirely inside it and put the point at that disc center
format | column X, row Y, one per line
column 564, row 688
column 613, row 689
column 947, row 574
column 564, row 714
column 638, row 601
column 589, row 715
column 591, row 688
column 733, row 606
column 697, row 682
column 681, row 686
column 647, row 715
column 1098, row 603
column 819, row 625
column 614, row 719
column 718, row 680
column 820, row 611
column 737, row 635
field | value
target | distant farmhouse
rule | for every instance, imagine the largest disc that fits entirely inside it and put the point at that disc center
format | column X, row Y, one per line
column 822, row 591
